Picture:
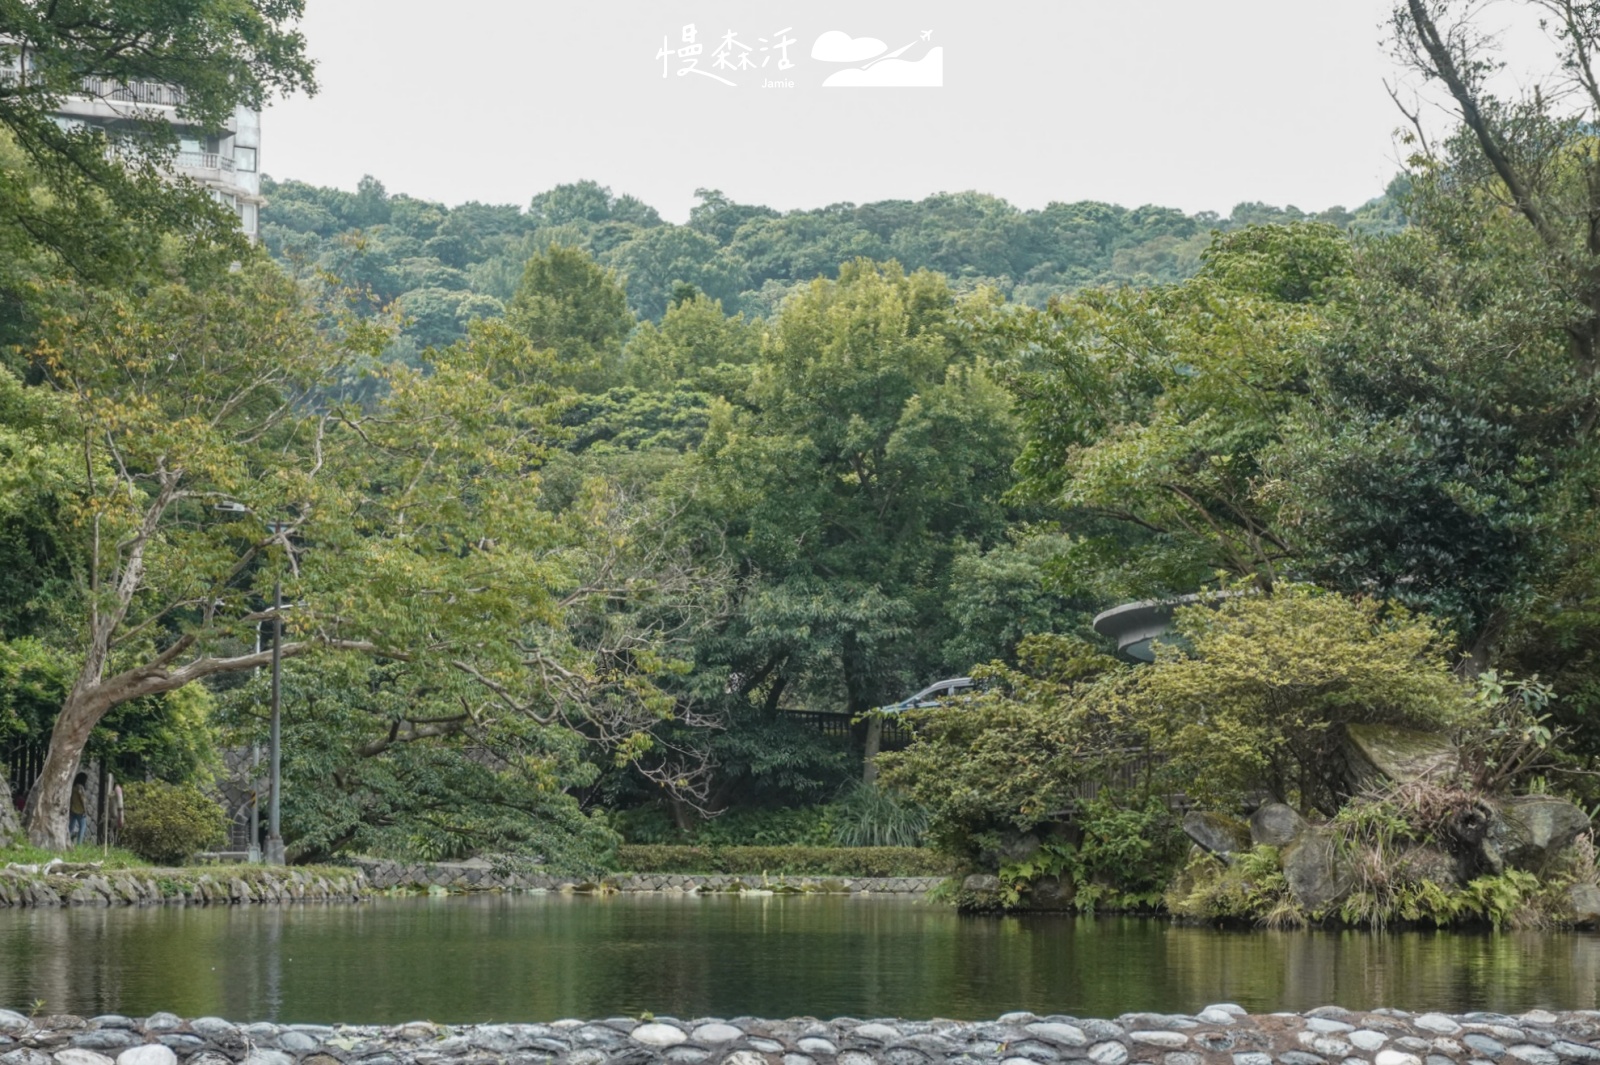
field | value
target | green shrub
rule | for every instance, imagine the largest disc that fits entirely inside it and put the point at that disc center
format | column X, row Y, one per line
column 872, row 816
column 1253, row 888
column 802, row 826
column 784, row 861
column 167, row 823
column 758, row 826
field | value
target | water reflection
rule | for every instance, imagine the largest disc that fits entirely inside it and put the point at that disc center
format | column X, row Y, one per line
column 545, row 957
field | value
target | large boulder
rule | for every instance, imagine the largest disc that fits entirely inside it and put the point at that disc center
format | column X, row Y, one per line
column 1017, row 848
column 1377, row 754
column 1050, row 893
column 1317, row 876
column 1530, row 831
column 1585, row 900
column 1430, row 863
column 1011, row 849
column 1275, row 825
column 1217, row 834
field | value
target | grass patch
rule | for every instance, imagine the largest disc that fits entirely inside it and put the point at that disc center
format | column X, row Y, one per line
column 116, row 859
column 112, row 858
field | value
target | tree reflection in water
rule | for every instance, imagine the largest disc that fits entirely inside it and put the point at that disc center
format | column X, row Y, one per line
column 545, row 957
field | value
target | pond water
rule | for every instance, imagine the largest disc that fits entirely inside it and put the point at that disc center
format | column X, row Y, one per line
column 544, row 957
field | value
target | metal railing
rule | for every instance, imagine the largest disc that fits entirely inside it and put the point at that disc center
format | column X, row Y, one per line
column 136, row 92
column 894, row 737
column 204, row 160
column 21, row 761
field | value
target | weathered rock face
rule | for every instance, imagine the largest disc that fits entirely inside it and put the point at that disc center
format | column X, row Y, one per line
column 1052, row 891
column 1530, row 831
column 1019, row 848
column 1275, row 825
column 1013, row 847
column 1216, row 833
column 1431, row 863
column 1317, row 878
column 1585, row 899
column 1379, row 753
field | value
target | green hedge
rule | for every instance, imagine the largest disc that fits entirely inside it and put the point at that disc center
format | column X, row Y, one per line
column 784, row 861
column 168, row 823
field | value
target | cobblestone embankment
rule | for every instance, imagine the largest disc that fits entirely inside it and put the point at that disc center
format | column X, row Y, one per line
column 76, row 885
column 482, row 876
column 1218, row 1035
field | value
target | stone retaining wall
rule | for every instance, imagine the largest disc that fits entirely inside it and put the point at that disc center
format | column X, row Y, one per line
column 482, row 876
column 1218, row 1035
column 79, row 885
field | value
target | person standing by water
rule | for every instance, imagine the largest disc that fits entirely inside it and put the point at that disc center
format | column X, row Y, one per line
column 114, row 812
column 78, row 822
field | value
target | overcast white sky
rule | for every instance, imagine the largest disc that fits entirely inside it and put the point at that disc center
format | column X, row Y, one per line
column 1196, row 104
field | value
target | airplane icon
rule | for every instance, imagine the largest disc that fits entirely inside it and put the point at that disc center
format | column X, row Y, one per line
column 927, row 35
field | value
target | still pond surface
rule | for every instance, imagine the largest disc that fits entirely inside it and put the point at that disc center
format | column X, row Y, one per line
column 544, row 957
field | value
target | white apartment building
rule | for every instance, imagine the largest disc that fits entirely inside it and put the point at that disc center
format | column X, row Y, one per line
column 226, row 161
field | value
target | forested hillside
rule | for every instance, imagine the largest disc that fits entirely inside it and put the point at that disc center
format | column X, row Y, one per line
column 444, row 266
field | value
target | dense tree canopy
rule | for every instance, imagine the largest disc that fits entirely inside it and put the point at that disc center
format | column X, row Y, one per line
column 747, row 257
column 576, row 507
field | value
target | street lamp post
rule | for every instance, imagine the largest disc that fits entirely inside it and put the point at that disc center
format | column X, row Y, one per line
column 274, row 854
column 274, row 849
column 253, row 852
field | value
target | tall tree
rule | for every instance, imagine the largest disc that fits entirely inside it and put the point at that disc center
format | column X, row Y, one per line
column 182, row 408
column 879, row 446
column 1150, row 414
column 1507, row 201
column 569, row 304
column 1535, row 155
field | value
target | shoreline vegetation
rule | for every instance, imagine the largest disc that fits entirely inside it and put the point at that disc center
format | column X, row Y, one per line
column 1246, row 889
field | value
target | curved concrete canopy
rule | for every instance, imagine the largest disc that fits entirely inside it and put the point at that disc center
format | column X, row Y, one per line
column 1135, row 626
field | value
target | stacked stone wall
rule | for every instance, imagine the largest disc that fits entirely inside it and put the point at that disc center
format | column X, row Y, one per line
column 482, row 876
column 61, row 884
column 1218, row 1035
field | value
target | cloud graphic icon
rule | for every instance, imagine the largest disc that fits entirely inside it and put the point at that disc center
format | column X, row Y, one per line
column 836, row 46
column 887, row 73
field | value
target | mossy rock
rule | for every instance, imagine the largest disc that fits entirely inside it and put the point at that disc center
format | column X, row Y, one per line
column 968, row 901
column 1378, row 753
column 1216, row 833
column 1531, row 831
column 1318, row 875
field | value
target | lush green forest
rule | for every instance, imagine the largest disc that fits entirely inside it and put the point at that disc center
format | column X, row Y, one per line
column 443, row 266
column 574, row 508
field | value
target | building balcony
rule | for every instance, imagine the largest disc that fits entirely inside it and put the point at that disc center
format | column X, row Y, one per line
column 135, row 92
column 204, row 161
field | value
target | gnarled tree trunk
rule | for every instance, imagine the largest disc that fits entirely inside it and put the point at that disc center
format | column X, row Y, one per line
column 10, row 827
column 50, row 800
column 92, row 698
